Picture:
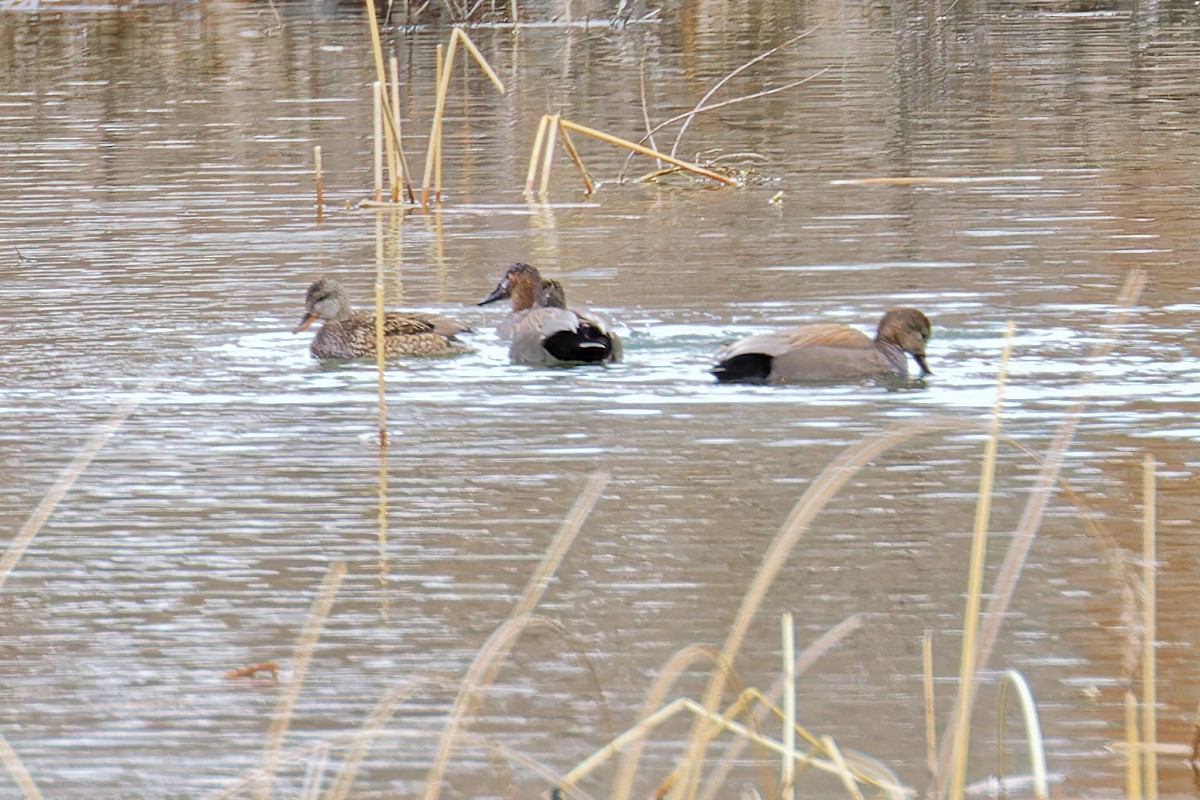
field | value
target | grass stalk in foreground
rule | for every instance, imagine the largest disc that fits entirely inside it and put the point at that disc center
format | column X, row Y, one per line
column 788, row 777
column 1033, row 731
column 809, row 656
column 1133, row 766
column 500, row 643
column 1022, row 539
column 930, row 708
column 301, row 659
column 983, row 510
column 16, row 769
column 830, row 480
column 69, row 476
column 1149, row 626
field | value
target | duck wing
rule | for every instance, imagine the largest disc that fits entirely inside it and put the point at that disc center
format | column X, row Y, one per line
column 781, row 342
column 412, row 323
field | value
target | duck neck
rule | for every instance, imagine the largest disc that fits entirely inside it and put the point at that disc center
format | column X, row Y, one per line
column 893, row 355
column 524, row 294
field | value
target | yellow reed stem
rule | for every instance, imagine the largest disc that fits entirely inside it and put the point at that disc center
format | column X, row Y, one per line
column 435, row 129
column 978, row 559
column 18, row 773
column 1150, row 626
column 443, row 67
column 301, row 659
column 788, row 776
column 588, row 186
column 395, row 160
column 548, row 154
column 1133, row 767
column 479, row 59
column 538, row 141
column 320, row 182
column 646, row 151
column 377, row 53
column 377, row 149
column 930, row 709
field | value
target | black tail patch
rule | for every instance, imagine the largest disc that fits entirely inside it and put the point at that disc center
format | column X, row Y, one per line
column 746, row 368
column 589, row 344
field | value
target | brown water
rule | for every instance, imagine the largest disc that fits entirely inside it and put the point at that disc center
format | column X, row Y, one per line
column 156, row 222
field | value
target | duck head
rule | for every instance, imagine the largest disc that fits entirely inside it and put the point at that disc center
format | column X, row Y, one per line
column 521, row 284
column 552, row 294
column 908, row 329
column 326, row 300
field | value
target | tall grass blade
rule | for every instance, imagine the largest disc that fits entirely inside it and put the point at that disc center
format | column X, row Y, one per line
column 983, row 510
column 282, row 716
column 69, row 476
column 1133, row 768
column 788, row 630
column 809, row 656
column 1150, row 626
column 1022, row 540
column 382, row 712
column 930, row 707
column 831, row 479
column 1033, row 730
column 488, row 660
column 16, row 769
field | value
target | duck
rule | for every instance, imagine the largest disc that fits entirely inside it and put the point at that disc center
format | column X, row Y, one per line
column 347, row 333
column 828, row 352
column 543, row 330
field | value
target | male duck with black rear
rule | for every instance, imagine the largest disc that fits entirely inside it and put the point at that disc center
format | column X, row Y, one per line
column 543, row 330
column 351, row 334
column 826, row 352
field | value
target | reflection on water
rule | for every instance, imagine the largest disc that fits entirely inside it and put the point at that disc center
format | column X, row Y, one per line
column 156, row 222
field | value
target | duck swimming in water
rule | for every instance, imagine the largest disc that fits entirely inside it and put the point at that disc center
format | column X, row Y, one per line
column 828, row 352
column 347, row 333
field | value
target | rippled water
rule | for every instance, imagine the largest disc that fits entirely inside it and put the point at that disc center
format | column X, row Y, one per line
column 157, row 233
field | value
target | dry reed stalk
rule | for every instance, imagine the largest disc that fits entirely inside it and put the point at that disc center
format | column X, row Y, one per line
column 384, row 708
column 443, row 68
column 730, row 102
column 380, row 74
column 548, row 154
column 843, row 770
column 806, row 659
column 314, row 776
column 930, row 706
column 538, row 142
column 546, row 773
column 433, row 155
column 1022, row 539
column 716, row 86
column 978, row 560
column 377, row 140
column 1194, row 746
column 1033, row 731
column 68, row 477
column 1150, row 626
column 1133, row 766
column 646, row 151
column 819, row 493
column 301, row 658
column 16, row 769
column 488, row 660
column 666, row 677
column 396, row 154
column 588, row 186
column 788, row 777
column 320, row 183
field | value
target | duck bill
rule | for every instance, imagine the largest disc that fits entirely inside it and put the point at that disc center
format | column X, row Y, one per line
column 304, row 323
column 920, row 359
column 499, row 293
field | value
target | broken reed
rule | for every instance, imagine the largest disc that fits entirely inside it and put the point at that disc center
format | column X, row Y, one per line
column 549, row 129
